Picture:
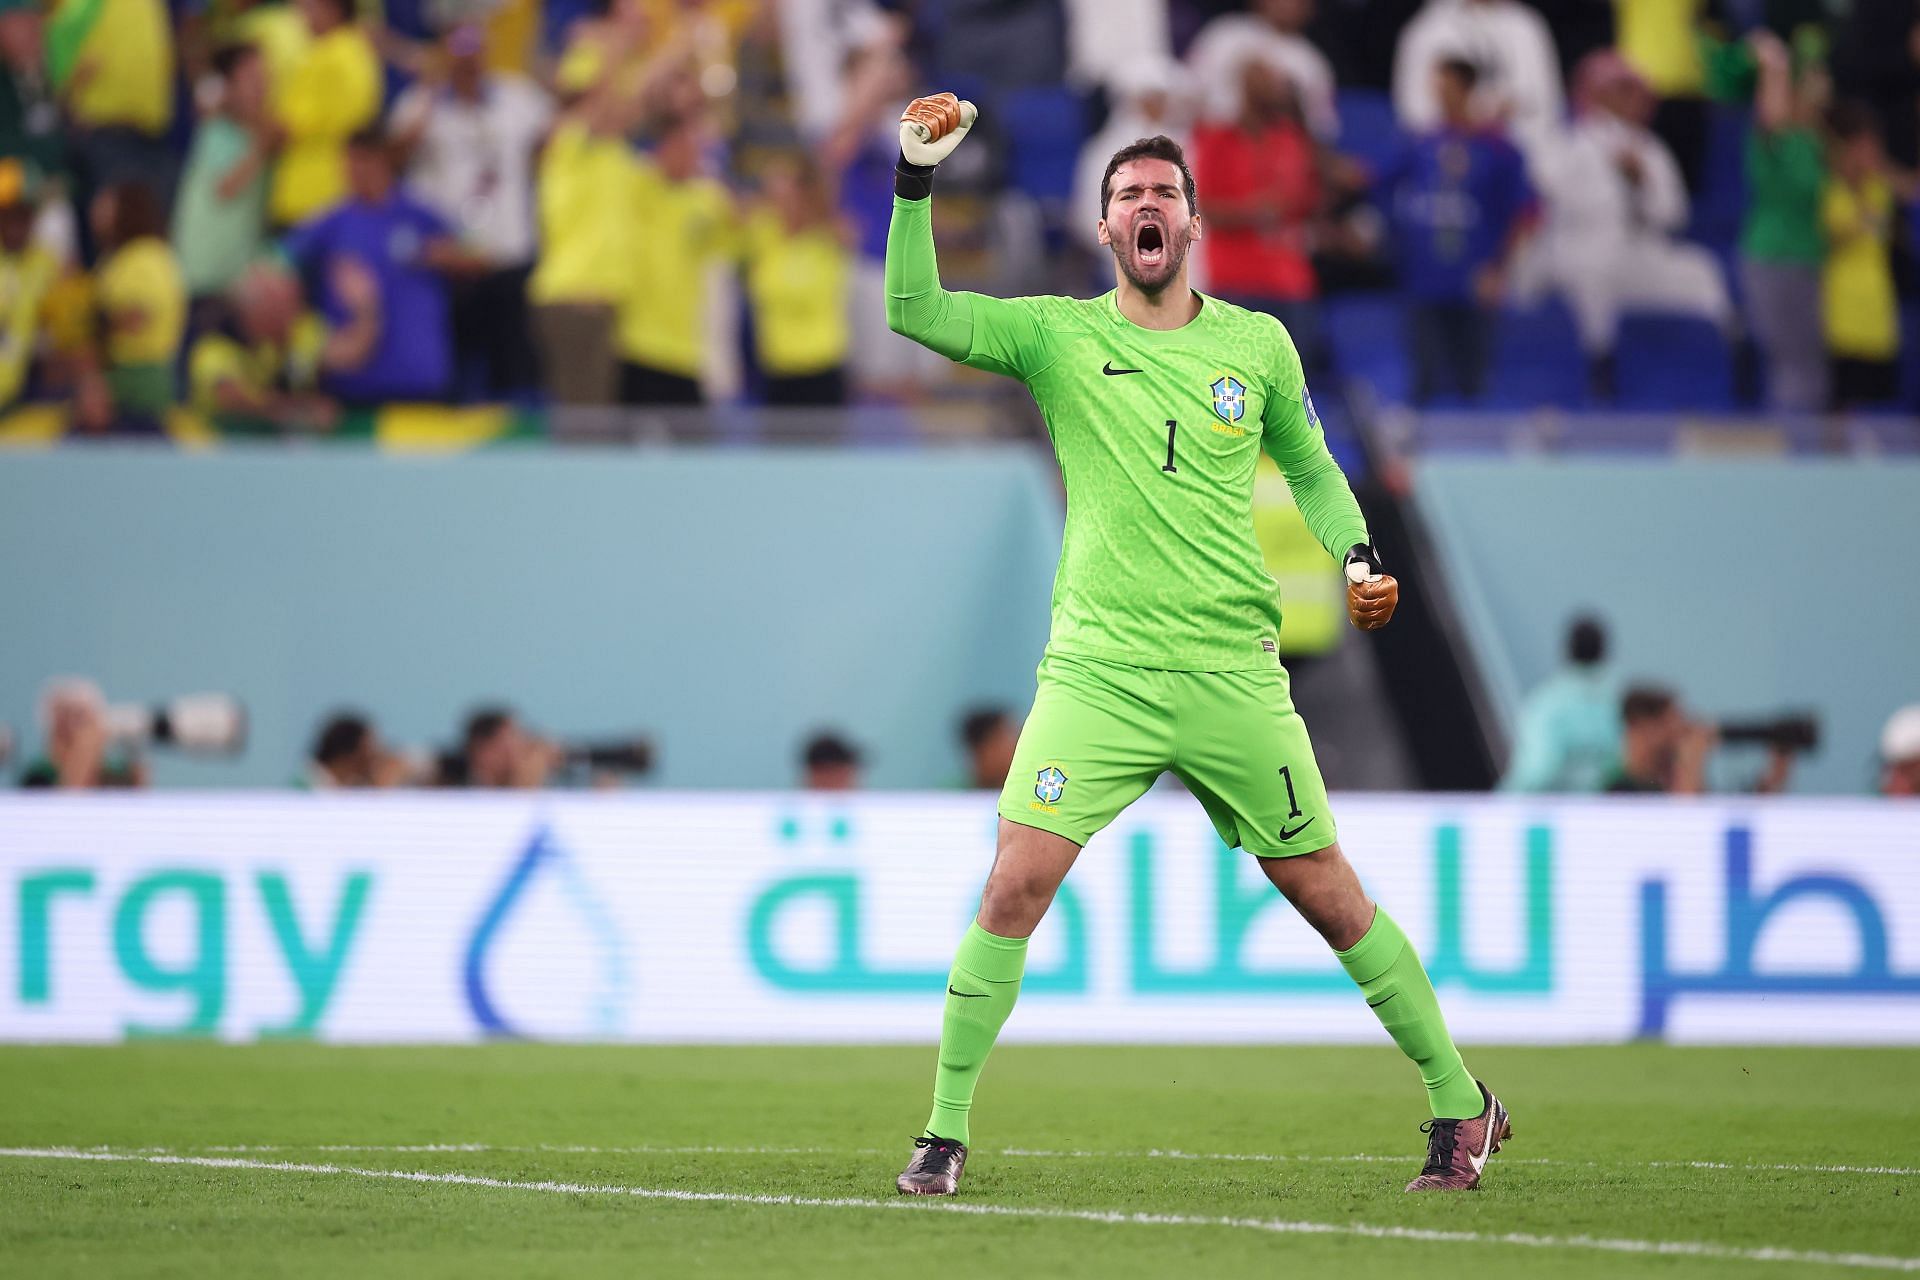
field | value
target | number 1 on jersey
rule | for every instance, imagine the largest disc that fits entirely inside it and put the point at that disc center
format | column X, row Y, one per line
column 1172, row 427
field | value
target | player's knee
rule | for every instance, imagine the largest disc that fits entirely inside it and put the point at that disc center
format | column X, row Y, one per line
column 1013, row 904
column 1325, row 891
column 1342, row 921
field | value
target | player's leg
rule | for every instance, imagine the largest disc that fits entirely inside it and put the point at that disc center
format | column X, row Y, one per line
column 1469, row 1123
column 1096, row 739
column 985, row 980
column 1324, row 889
column 1245, row 752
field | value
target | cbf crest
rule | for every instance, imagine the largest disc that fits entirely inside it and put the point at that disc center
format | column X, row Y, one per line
column 1229, row 398
column 1050, row 784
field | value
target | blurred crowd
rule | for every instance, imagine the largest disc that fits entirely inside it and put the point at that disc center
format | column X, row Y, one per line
column 1582, row 731
column 87, row 744
column 280, row 211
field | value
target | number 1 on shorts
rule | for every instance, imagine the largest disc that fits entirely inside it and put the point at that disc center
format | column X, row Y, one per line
column 1293, row 805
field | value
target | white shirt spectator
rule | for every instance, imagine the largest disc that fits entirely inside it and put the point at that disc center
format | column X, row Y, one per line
column 1616, row 204
column 1227, row 44
column 1511, row 46
column 1591, row 202
column 816, row 37
column 1106, row 37
column 1152, row 97
column 474, row 160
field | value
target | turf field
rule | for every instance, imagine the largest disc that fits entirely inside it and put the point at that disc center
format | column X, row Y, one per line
column 525, row 1159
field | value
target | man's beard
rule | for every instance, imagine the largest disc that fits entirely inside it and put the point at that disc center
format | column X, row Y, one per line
column 1162, row 275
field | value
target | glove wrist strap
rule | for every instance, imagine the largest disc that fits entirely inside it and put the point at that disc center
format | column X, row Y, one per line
column 912, row 181
column 1364, row 553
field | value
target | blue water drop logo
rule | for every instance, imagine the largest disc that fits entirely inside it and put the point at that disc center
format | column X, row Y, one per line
column 606, row 997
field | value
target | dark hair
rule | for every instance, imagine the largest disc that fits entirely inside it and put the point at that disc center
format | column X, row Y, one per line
column 978, row 723
column 136, row 213
column 1645, row 702
column 1463, row 70
column 825, row 749
column 228, row 58
column 1851, row 118
column 483, row 724
column 1586, row 641
column 371, row 138
column 1158, row 147
column 341, row 736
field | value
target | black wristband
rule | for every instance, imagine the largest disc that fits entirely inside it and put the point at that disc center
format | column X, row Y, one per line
column 1365, row 554
column 912, row 181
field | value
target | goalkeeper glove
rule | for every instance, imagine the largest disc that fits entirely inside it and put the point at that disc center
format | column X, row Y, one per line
column 930, row 128
column 1371, row 594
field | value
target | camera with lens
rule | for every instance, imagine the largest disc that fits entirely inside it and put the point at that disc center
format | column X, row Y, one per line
column 1793, row 732
column 212, row 724
column 497, row 751
column 633, row 755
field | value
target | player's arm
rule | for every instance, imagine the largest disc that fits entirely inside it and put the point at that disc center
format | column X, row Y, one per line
column 996, row 334
column 1293, row 438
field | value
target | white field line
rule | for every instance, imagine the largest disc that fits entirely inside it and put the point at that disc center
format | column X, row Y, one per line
column 1278, row 1226
column 1152, row 1153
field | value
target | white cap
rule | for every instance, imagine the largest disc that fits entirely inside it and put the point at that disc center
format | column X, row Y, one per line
column 1137, row 77
column 62, row 690
column 1900, row 740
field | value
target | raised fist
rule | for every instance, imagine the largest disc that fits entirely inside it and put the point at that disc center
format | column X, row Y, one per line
column 930, row 128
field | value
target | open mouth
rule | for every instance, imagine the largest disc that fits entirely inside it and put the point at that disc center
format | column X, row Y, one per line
column 1150, row 245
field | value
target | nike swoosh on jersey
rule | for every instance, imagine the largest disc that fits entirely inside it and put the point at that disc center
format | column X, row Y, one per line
column 1288, row 834
column 1112, row 372
column 966, row 995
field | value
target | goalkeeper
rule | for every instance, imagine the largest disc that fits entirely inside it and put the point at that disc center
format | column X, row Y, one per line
column 1164, row 652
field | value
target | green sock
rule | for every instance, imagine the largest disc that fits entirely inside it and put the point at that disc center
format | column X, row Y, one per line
column 1390, row 974
column 986, row 971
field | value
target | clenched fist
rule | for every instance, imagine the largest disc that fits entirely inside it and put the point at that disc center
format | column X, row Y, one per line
column 930, row 128
column 1371, row 594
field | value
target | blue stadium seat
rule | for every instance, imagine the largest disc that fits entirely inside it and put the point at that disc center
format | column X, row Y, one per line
column 1537, row 361
column 1721, row 204
column 1667, row 363
column 1368, row 130
column 1046, row 127
column 1367, row 336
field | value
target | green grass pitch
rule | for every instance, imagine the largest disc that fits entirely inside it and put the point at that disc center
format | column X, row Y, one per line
column 1088, row 1161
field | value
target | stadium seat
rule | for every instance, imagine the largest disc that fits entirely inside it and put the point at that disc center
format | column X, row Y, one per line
column 1367, row 336
column 1721, row 203
column 1368, row 130
column 1046, row 127
column 1536, row 361
column 1667, row 362
column 1909, row 355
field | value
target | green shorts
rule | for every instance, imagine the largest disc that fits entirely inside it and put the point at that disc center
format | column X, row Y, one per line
column 1101, row 733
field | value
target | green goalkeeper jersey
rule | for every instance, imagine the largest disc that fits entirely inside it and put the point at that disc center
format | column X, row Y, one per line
column 1157, row 433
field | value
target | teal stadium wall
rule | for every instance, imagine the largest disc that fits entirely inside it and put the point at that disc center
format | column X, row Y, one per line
column 1748, row 585
column 724, row 602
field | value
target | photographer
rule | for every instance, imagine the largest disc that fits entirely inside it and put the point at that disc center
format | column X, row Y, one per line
column 1900, row 753
column 496, row 751
column 828, row 762
column 80, row 752
column 989, row 736
column 1663, row 750
column 1568, row 736
column 348, row 753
